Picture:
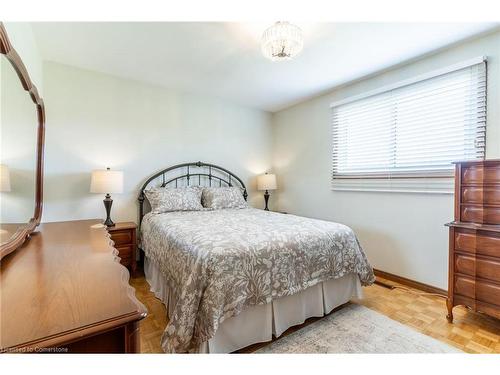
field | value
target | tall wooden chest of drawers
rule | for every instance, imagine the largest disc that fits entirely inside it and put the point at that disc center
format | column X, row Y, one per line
column 474, row 263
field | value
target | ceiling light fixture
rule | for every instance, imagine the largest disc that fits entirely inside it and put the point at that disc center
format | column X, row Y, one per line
column 282, row 41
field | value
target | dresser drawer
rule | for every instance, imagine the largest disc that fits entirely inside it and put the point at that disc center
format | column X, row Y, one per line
column 486, row 195
column 480, row 214
column 122, row 237
column 483, row 244
column 481, row 174
column 478, row 267
column 475, row 289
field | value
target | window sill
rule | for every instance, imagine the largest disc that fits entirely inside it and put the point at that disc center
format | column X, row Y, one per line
column 421, row 185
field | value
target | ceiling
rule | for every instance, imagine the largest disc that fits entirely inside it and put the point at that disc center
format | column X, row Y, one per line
column 224, row 59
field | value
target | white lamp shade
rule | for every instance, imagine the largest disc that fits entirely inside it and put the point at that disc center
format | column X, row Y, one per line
column 266, row 182
column 106, row 181
column 4, row 178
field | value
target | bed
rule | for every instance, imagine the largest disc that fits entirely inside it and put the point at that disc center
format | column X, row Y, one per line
column 234, row 277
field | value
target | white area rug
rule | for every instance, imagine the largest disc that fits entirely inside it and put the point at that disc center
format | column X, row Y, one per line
column 357, row 329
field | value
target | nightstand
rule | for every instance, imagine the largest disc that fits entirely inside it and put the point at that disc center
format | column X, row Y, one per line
column 124, row 237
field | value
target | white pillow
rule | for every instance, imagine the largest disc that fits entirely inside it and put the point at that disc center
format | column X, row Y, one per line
column 223, row 197
column 174, row 199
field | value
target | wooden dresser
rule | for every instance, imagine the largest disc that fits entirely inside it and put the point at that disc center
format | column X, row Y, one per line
column 64, row 290
column 474, row 259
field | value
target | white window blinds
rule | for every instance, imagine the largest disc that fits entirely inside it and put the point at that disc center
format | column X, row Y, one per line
column 414, row 130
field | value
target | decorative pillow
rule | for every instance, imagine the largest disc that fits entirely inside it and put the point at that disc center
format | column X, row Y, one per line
column 174, row 199
column 223, row 197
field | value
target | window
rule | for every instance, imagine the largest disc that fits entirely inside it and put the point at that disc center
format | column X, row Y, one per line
column 414, row 129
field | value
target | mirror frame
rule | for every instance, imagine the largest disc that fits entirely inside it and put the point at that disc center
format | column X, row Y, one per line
column 24, row 231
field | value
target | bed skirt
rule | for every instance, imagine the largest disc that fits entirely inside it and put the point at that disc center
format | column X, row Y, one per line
column 259, row 323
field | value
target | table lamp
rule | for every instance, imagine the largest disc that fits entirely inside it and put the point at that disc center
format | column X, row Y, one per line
column 266, row 182
column 106, row 182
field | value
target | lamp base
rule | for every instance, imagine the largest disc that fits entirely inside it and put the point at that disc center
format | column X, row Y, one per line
column 266, row 199
column 108, row 202
column 109, row 222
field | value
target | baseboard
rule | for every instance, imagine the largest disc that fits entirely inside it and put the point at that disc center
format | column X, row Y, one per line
column 411, row 283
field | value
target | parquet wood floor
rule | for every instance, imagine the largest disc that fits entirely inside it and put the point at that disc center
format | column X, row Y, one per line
column 470, row 332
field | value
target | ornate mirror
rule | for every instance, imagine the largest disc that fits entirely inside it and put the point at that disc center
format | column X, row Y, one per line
column 22, row 120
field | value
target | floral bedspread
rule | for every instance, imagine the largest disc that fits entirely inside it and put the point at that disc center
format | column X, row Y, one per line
column 219, row 262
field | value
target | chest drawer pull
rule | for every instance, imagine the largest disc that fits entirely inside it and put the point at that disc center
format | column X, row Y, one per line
column 486, row 195
column 483, row 268
column 479, row 214
column 480, row 290
column 481, row 174
column 478, row 244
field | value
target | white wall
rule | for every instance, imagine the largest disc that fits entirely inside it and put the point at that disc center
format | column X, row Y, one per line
column 22, row 39
column 402, row 233
column 96, row 120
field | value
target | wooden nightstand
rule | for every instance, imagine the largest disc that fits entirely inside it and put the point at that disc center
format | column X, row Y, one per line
column 124, row 237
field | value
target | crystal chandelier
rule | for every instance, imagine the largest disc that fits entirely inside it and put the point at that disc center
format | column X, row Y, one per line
column 282, row 41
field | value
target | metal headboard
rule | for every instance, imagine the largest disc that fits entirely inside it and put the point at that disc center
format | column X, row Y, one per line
column 210, row 174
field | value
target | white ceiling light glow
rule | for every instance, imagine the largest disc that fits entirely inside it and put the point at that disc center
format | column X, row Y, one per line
column 282, row 41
